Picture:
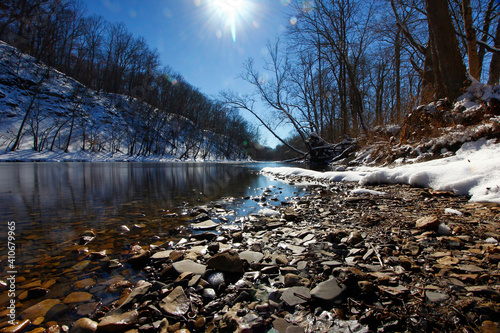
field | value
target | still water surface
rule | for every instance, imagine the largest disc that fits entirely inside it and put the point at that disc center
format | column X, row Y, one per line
column 63, row 199
column 52, row 204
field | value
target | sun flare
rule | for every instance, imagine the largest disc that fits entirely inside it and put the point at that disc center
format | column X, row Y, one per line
column 231, row 11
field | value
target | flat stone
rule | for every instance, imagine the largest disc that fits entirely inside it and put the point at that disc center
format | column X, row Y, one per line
column 295, row 329
column 18, row 327
column 296, row 249
column 39, row 309
column 471, row 268
column 141, row 288
column 77, row 297
column 394, row 291
column 332, row 263
column 448, row 261
column 427, row 223
column 251, row 256
column 189, row 266
column 85, row 283
column 436, row 297
column 296, row 295
column 328, row 290
column 205, row 225
column 81, row 265
column 176, row 303
column 118, row 323
column 57, row 311
column 84, row 325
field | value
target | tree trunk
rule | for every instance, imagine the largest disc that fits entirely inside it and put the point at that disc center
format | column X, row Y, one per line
column 486, row 30
column 450, row 67
column 495, row 60
column 397, row 69
column 470, row 34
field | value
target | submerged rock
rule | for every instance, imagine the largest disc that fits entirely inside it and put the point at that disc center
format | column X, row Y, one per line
column 118, row 323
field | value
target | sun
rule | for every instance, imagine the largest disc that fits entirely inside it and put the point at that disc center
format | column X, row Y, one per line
column 231, row 11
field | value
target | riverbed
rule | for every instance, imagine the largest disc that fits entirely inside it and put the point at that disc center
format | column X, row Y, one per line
column 54, row 205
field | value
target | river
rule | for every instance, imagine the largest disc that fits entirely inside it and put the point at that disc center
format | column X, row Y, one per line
column 53, row 204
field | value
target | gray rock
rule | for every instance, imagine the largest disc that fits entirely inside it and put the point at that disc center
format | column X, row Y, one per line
column 296, row 295
column 189, row 266
column 216, row 280
column 176, row 303
column 161, row 255
column 435, row 297
column 141, row 289
column 251, row 256
column 209, row 294
column 205, row 225
column 328, row 290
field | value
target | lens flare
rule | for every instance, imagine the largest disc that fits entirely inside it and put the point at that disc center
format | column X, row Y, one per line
column 231, row 11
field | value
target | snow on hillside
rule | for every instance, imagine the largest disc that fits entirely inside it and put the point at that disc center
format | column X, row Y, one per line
column 473, row 170
column 68, row 121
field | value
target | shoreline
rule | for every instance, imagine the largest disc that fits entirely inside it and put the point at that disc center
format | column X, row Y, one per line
column 392, row 257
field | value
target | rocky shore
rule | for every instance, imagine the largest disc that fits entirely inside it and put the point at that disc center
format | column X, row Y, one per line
column 338, row 259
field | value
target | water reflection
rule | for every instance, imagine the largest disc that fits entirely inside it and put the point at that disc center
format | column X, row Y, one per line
column 54, row 203
column 69, row 197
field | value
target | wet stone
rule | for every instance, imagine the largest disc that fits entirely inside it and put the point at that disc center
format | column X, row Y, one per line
column 176, row 303
column 77, row 297
column 118, row 323
column 39, row 309
column 83, row 325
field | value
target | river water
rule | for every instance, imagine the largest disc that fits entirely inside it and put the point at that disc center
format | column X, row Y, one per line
column 52, row 204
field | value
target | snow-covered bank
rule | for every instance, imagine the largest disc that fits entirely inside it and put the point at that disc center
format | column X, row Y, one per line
column 474, row 170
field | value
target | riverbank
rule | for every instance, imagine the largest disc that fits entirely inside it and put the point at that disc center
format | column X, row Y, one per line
column 30, row 155
column 380, row 258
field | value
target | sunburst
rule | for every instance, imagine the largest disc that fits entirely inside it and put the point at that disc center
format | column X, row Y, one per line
column 231, row 11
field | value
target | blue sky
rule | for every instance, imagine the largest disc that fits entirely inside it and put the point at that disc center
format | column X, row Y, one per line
column 197, row 39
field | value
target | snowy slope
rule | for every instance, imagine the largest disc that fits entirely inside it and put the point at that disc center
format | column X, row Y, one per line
column 98, row 126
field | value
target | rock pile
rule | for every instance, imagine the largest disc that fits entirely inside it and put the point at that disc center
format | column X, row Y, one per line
column 404, row 260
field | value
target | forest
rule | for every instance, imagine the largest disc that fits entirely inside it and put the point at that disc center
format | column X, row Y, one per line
column 345, row 68
column 107, row 59
column 342, row 68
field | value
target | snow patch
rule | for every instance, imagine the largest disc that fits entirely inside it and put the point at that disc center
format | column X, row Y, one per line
column 473, row 171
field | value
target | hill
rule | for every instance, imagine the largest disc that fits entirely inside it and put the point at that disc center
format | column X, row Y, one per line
column 47, row 115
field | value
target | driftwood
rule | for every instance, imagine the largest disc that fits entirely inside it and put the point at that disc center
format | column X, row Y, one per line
column 324, row 153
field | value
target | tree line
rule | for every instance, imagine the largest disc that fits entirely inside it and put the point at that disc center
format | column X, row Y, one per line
column 344, row 67
column 106, row 57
